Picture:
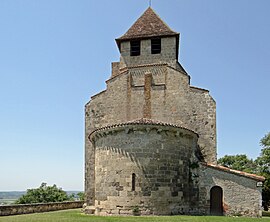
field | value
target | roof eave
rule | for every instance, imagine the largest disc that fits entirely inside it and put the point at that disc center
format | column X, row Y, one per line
column 125, row 39
column 236, row 172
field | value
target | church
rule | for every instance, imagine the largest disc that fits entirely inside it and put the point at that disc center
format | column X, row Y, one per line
column 150, row 137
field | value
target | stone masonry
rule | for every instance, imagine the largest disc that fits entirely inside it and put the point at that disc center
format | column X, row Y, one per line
column 156, row 153
column 150, row 137
column 8, row 210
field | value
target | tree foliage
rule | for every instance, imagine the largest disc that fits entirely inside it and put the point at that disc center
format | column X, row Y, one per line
column 263, row 161
column 81, row 195
column 238, row 162
column 260, row 166
column 263, row 164
column 43, row 194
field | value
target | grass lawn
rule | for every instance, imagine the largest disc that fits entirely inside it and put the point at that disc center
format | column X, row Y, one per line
column 77, row 216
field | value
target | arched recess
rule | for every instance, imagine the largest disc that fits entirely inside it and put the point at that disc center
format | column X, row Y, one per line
column 216, row 201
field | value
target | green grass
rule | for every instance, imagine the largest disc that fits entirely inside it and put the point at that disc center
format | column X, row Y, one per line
column 77, row 216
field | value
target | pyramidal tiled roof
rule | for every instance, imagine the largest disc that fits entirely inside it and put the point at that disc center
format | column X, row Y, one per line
column 148, row 25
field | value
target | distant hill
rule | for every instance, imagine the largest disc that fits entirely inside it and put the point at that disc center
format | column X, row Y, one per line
column 14, row 195
column 11, row 194
column 71, row 192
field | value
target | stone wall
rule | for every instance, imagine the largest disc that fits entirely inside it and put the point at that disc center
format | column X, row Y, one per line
column 152, row 86
column 241, row 196
column 8, row 210
column 158, row 156
column 168, row 53
column 168, row 98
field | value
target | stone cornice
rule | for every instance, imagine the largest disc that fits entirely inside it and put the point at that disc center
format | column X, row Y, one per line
column 199, row 89
column 126, row 69
column 142, row 123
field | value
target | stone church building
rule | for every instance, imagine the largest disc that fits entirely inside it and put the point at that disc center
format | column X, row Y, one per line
column 150, row 137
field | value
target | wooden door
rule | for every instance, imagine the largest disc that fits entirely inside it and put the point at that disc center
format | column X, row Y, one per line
column 216, row 201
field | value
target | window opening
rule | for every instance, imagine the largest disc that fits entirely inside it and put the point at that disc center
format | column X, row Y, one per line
column 133, row 181
column 135, row 48
column 155, row 46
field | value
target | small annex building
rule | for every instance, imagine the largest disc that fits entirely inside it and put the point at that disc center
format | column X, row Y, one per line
column 150, row 137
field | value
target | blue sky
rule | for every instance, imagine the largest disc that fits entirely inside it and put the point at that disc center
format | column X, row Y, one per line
column 55, row 54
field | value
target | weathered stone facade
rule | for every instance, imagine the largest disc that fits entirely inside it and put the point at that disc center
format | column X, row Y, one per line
column 156, row 154
column 148, row 133
column 241, row 196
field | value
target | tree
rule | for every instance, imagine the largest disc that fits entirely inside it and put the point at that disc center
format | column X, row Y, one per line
column 263, row 163
column 80, row 195
column 238, row 162
column 264, row 159
column 43, row 194
column 260, row 166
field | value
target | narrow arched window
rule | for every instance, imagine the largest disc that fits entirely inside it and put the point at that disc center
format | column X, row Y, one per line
column 133, row 181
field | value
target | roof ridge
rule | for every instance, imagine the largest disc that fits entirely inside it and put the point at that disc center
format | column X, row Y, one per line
column 160, row 18
column 237, row 172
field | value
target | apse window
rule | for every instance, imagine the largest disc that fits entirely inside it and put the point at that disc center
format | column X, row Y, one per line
column 135, row 48
column 133, row 182
column 156, row 46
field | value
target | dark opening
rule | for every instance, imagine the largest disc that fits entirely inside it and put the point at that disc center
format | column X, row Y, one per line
column 133, row 181
column 135, row 48
column 216, row 204
column 155, row 46
column 120, row 48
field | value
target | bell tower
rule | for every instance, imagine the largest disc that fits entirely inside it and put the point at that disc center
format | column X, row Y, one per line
column 147, row 86
column 149, row 40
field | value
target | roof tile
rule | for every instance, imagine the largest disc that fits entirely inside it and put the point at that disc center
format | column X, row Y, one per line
column 237, row 172
column 148, row 25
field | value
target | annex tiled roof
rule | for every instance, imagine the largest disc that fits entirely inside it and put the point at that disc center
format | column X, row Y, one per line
column 237, row 172
column 148, row 25
column 142, row 121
